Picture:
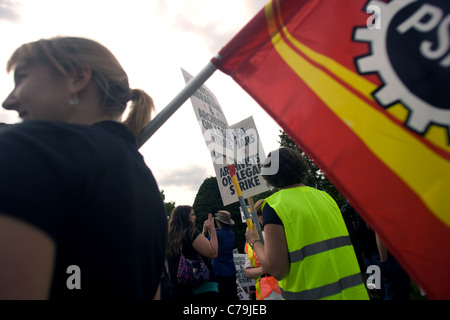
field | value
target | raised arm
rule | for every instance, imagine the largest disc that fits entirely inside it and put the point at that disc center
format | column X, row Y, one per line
column 207, row 248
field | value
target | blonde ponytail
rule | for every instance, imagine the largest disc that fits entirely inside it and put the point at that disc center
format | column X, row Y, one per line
column 141, row 109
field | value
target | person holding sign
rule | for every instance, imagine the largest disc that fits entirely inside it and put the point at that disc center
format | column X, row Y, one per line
column 267, row 287
column 306, row 245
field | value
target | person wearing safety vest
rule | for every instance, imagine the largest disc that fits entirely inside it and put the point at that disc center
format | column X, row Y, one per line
column 306, row 243
column 266, row 286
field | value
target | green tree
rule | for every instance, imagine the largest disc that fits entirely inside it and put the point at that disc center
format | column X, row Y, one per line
column 169, row 206
column 315, row 177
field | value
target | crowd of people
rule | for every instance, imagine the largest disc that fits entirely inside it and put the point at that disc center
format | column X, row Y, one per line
column 76, row 192
column 307, row 251
column 311, row 249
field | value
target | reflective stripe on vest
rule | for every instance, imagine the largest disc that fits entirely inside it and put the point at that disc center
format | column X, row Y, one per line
column 323, row 264
column 326, row 290
column 319, row 247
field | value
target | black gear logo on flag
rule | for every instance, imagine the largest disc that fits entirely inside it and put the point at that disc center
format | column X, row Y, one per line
column 411, row 54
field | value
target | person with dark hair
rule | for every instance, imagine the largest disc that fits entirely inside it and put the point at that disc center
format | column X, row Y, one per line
column 306, row 244
column 184, row 238
column 81, row 215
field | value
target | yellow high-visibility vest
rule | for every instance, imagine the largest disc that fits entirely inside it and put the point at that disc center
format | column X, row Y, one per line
column 264, row 285
column 323, row 263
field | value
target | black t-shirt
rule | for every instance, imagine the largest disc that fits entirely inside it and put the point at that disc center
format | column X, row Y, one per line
column 190, row 252
column 270, row 216
column 186, row 245
column 90, row 190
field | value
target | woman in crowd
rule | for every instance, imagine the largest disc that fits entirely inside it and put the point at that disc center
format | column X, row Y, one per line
column 81, row 216
column 306, row 243
column 185, row 238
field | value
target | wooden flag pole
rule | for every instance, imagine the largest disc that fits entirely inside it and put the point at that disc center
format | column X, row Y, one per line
column 248, row 219
column 251, row 204
column 255, row 219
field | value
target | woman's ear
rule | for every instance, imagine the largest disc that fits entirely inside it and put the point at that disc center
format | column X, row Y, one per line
column 80, row 79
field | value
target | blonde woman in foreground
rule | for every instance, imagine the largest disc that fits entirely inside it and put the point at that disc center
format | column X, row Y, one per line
column 81, row 216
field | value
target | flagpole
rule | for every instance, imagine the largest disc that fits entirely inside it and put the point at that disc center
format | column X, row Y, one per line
column 255, row 218
column 173, row 106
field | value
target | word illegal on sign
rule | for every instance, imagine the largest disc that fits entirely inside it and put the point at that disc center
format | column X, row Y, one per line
column 247, row 174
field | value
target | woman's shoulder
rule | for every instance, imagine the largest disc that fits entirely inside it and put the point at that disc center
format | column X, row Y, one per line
column 190, row 235
column 41, row 132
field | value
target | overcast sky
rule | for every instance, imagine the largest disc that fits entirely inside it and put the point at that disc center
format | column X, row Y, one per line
column 153, row 40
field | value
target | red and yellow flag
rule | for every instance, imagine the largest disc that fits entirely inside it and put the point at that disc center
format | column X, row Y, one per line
column 362, row 87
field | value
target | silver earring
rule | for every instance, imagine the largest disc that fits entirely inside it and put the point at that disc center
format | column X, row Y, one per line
column 73, row 102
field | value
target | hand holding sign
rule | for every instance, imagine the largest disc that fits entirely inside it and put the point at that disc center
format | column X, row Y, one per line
column 252, row 236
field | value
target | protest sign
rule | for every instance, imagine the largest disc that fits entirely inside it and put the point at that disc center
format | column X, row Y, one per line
column 242, row 295
column 238, row 144
column 213, row 123
column 249, row 156
column 241, row 279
